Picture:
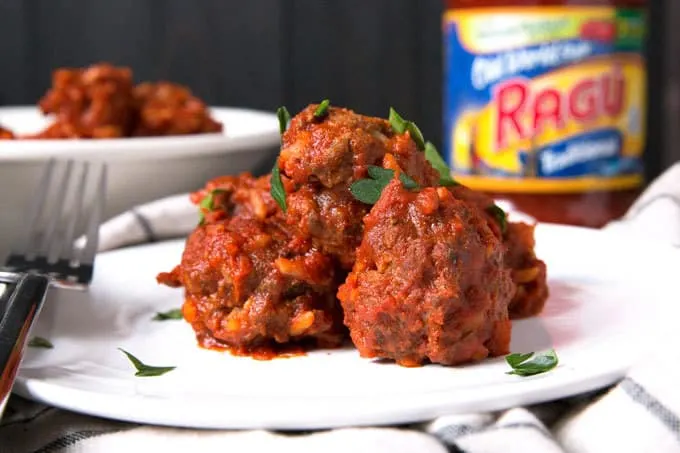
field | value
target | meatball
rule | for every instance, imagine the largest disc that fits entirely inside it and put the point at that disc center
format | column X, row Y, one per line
column 250, row 285
column 101, row 101
column 429, row 282
column 320, row 159
column 166, row 108
column 94, row 102
column 528, row 272
column 236, row 196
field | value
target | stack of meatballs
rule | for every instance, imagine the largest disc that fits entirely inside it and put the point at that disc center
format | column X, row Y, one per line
column 431, row 272
column 101, row 101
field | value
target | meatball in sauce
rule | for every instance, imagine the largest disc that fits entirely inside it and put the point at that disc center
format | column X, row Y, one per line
column 429, row 274
column 528, row 271
column 252, row 286
column 320, row 159
column 429, row 283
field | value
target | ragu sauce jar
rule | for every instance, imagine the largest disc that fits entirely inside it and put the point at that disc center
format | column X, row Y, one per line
column 545, row 104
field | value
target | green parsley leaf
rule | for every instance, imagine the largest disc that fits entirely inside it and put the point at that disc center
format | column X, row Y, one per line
column 408, row 182
column 517, row 358
column 400, row 125
column 529, row 364
column 276, row 185
column 40, row 342
column 322, row 109
column 416, row 135
column 369, row 190
column 276, row 189
column 207, row 204
column 435, row 159
column 500, row 217
column 167, row 315
column 380, row 174
column 284, row 118
column 397, row 122
column 144, row 370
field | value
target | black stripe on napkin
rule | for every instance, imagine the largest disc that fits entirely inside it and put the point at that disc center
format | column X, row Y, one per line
column 524, row 425
column 453, row 448
column 71, row 439
column 638, row 394
column 449, row 434
column 146, row 226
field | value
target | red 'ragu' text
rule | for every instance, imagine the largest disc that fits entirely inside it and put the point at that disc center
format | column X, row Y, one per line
column 523, row 113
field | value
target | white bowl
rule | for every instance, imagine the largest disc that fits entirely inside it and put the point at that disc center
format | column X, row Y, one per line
column 140, row 169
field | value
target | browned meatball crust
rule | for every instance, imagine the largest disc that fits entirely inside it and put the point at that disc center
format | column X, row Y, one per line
column 528, row 271
column 249, row 284
column 429, row 283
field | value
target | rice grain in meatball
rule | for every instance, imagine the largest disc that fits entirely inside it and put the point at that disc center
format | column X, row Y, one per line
column 429, row 283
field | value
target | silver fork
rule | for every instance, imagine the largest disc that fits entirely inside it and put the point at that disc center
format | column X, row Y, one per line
column 47, row 253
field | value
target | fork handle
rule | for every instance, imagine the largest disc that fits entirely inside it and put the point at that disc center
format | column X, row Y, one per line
column 24, row 299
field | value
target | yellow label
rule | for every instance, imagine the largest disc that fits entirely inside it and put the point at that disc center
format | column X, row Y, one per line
column 549, row 101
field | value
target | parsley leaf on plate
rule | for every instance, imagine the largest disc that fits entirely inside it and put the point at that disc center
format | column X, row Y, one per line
column 530, row 363
column 144, row 370
column 40, row 342
column 167, row 315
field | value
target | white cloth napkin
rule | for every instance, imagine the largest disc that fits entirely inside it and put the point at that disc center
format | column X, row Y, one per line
column 639, row 414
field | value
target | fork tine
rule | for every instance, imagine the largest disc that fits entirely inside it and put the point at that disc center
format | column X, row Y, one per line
column 96, row 214
column 67, row 262
column 58, row 214
column 25, row 242
column 66, row 252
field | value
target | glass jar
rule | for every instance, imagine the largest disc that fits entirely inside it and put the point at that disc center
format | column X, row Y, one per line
column 545, row 104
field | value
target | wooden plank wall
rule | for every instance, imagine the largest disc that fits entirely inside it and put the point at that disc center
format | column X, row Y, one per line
column 367, row 54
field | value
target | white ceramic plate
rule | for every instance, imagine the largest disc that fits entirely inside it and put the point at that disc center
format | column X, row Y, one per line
column 610, row 297
column 243, row 129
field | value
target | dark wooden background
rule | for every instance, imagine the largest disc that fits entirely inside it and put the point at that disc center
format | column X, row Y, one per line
column 365, row 54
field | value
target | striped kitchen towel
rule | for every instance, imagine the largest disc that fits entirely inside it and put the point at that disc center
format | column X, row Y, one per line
column 639, row 414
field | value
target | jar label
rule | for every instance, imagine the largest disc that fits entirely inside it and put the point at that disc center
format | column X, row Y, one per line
column 545, row 100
